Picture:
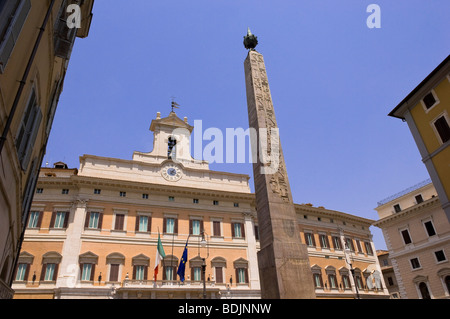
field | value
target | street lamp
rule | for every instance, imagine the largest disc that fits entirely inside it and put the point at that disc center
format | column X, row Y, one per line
column 347, row 249
column 204, row 243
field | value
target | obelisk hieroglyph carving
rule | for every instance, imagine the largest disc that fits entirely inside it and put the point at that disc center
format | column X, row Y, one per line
column 283, row 261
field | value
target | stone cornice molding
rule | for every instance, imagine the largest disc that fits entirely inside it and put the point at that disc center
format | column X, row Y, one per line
column 408, row 213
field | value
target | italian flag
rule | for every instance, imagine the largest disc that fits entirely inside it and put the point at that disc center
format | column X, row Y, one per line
column 160, row 254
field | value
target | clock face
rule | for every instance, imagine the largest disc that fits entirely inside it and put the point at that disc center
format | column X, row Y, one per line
column 171, row 172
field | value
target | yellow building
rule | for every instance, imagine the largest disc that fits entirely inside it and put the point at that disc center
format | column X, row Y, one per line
column 35, row 47
column 93, row 231
column 426, row 110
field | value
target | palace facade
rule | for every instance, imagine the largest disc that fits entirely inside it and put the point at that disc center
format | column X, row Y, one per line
column 93, row 232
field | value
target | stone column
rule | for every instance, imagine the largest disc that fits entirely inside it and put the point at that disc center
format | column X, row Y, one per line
column 283, row 260
column 252, row 256
column 69, row 268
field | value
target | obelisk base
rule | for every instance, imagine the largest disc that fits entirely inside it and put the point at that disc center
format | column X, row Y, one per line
column 285, row 270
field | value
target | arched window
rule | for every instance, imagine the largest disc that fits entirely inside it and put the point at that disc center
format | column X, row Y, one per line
column 171, row 148
column 425, row 294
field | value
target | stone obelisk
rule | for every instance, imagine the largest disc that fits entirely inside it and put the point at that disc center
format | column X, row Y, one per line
column 283, row 261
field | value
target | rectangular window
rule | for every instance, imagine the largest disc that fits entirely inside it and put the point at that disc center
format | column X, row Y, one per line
column 390, row 281
column 317, row 280
column 397, row 208
column 13, row 14
column 368, row 247
column 216, row 228
column 219, row 275
column 144, row 196
column 169, row 271
column 332, row 281
column 337, row 242
column 59, row 220
column 49, row 272
column 215, row 202
column 120, row 219
column 358, row 244
column 86, row 272
column 97, row 191
column 195, row 200
column 195, row 227
column 440, row 256
column 170, row 225
column 39, row 190
column 346, row 281
column 93, row 220
column 171, row 199
column 143, row 223
column 65, row 191
column 28, row 129
column 241, row 275
column 323, row 241
column 33, row 220
column 429, row 100
column 430, row 228
column 140, row 270
column 442, row 128
column 309, row 240
column 197, row 274
column 415, row 264
column 237, row 230
column 123, row 194
column 349, row 244
column 236, row 204
column 21, row 272
column 419, row 199
column 114, row 272
column 406, row 237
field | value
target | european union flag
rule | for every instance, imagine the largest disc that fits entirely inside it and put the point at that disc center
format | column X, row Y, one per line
column 182, row 267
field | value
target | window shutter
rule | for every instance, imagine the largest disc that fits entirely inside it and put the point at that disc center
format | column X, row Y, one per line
column 176, row 225
column 149, row 224
column 114, row 273
column 219, row 275
column 29, row 146
column 92, row 272
column 86, row 222
column 246, row 275
column 55, row 273
column 44, row 269
column 136, row 226
column 201, row 227
column 134, row 272
column 12, row 35
column 164, row 225
column 164, row 273
column 192, row 274
column 313, row 239
column 52, row 220
column 40, row 219
column 27, row 272
column 237, row 275
column 145, row 272
column 190, row 227
column 232, row 230
column 216, row 228
column 242, row 230
column 66, row 219
column 443, row 129
column 328, row 241
column 100, row 220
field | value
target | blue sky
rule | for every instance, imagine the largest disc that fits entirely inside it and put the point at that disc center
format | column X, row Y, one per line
column 333, row 82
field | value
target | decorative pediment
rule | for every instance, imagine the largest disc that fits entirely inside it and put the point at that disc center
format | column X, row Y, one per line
column 140, row 260
column 26, row 258
column 172, row 121
column 52, row 257
column 115, row 258
column 88, row 258
column 219, row 262
column 240, row 263
column 195, row 262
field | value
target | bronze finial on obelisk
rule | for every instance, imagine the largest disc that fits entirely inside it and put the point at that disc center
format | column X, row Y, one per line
column 283, row 261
